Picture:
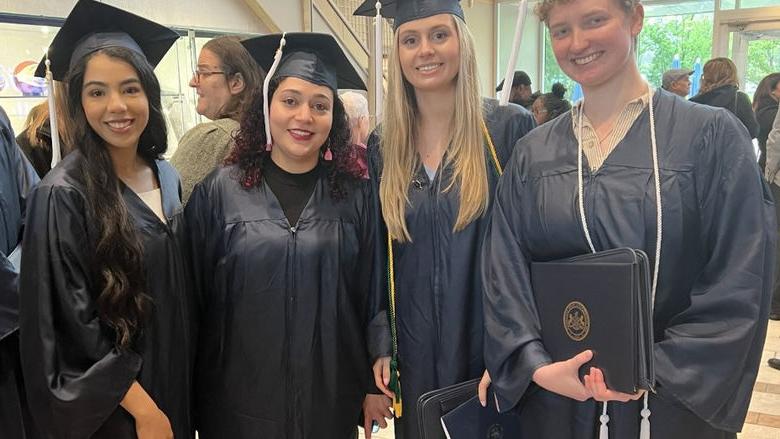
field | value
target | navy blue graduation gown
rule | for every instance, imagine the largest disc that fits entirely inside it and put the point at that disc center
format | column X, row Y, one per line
column 74, row 374
column 17, row 177
column 282, row 351
column 716, row 268
column 437, row 279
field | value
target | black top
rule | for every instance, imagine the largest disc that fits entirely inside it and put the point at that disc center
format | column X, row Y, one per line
column 737, row 102
column 292, row 190
column 74, row 375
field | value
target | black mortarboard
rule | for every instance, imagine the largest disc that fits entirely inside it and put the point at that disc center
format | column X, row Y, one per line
column 408, row 10
column 314, row 57
column 91, row 26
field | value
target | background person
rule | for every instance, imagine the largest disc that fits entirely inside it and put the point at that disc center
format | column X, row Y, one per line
column 548, row 106
column 765, row 101
column 677, row 81
column 17, row 178
column 521, row 90
column 224, row 79
column 720, row 88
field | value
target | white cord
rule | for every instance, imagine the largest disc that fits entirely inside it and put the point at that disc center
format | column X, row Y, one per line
column 268, row 76
column 644, row 430
column 56, row 154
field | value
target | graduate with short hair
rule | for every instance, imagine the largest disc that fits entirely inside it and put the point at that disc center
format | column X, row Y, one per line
column 631, row 166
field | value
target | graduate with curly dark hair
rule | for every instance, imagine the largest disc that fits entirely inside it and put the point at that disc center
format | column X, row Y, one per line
column 282, row 237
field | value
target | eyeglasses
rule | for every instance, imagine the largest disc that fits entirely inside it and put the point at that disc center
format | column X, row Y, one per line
column 199, row 74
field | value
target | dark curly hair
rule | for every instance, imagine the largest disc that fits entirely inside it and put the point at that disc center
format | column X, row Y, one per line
column 118, row 270
column 250, row 156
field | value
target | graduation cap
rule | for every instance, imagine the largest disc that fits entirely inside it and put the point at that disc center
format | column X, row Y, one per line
column 313, row 57
column 408, row 10
column 92, row 26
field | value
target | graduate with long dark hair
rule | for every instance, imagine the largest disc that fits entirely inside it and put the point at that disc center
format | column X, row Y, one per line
column 106, row 313
column 283, row 238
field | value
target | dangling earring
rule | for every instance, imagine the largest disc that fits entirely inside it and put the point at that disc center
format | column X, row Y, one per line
column 328, row 154
column 267, row 146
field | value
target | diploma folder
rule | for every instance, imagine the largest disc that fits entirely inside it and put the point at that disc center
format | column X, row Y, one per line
column 599, row 301
column 454, row 412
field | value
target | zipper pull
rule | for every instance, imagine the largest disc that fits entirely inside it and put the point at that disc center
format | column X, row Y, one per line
column 293, row 229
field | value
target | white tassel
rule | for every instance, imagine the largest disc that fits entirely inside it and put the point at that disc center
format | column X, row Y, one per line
column 509, row 76
column 604, row 418
column 644, row 426
column 378, row 48
column 268, row 76
column 56, row 154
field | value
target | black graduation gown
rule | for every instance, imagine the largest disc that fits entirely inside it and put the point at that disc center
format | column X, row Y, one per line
column 716, row 269
column 282, row 351
column 437, row 279
column 17, row 178
column 75, row 376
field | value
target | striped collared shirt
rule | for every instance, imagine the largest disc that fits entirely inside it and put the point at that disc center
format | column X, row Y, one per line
column 596, row 151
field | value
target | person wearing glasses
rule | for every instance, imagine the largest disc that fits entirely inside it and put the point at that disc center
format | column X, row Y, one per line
column 224, row 80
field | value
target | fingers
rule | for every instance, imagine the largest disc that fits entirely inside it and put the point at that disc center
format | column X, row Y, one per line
column 381, row 371
column 581, row 358
column 367, row 425
column 386, row 371
column 597, row 386
column 484, row 383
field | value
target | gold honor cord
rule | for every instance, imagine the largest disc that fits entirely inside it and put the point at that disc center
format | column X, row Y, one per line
column 395, row 382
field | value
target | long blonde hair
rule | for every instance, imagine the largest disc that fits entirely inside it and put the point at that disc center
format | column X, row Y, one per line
column 465, row 146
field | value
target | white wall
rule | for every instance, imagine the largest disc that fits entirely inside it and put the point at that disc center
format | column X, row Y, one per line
column 480, row 19
column 228, row 15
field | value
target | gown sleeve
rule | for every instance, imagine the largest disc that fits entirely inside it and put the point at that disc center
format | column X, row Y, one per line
column 15, row 185
column 378, row 332
column 75, row 377
column 709, row 354
column 513, row 347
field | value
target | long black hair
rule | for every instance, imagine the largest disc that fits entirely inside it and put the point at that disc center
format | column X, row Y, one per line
column 250, row 155
column 117, row 270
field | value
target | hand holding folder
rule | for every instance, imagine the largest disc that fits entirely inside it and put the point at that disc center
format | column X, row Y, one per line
column 599, row 302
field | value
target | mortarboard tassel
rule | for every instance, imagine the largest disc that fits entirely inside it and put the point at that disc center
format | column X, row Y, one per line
column 604, row 418
column 268, row 76
column 56, row 154
column 522, row 10
column 378, row 62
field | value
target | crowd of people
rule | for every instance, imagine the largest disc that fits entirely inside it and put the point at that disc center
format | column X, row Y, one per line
column 293, row 274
